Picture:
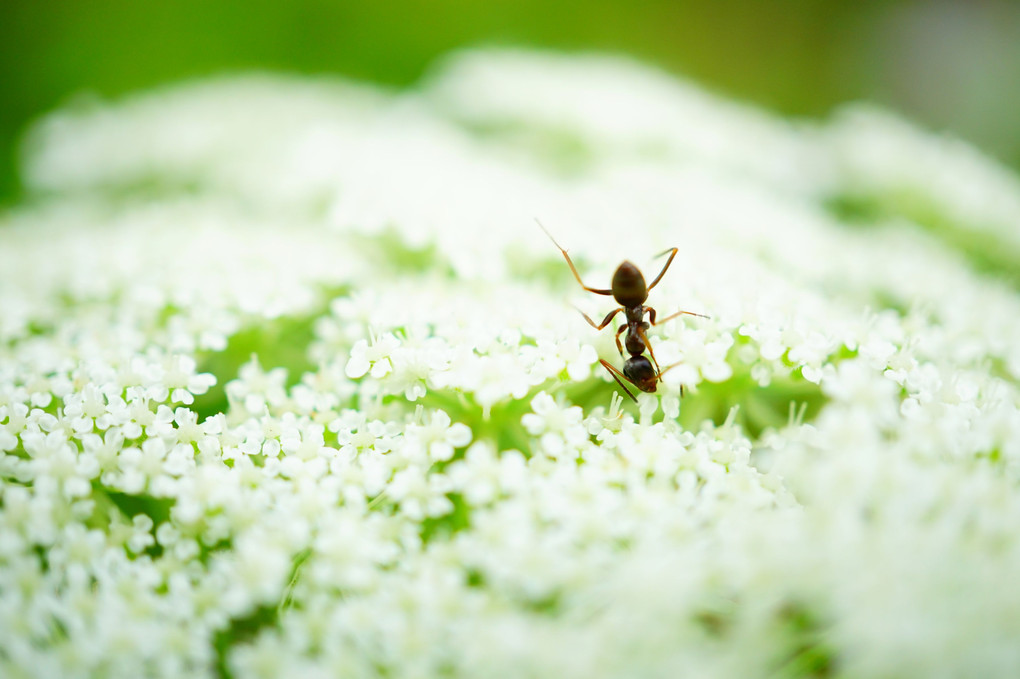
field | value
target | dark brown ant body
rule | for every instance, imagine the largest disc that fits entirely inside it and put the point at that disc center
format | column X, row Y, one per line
column 630, row 292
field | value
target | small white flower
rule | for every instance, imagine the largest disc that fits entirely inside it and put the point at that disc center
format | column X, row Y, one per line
column 436, row 440
column 257, row 390
column 305, row 443
column 356, row 434
column 560, row 430
column 184, row 384
column 141, row 535
column 420, row 495
column 374, row 357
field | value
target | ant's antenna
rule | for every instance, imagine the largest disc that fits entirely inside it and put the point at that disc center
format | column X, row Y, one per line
column 542, row 226
column 573, row 269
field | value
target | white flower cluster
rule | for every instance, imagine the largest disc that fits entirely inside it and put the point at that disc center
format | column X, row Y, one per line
column 290, row 385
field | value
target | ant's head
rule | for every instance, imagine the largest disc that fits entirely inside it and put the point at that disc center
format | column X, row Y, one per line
column 639, row 370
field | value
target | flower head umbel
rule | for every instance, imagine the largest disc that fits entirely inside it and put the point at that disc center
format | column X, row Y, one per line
column 327, row 411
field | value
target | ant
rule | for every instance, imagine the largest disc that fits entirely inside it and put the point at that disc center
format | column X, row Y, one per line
column 630, row 292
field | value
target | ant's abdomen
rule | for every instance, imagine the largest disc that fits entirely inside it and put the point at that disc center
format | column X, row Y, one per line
column 629, row 286
column 639, row 370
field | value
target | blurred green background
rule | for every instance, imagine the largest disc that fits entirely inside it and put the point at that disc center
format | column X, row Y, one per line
column 949, row 65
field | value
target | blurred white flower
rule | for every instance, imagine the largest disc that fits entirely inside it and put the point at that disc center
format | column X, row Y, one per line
column 374, row 357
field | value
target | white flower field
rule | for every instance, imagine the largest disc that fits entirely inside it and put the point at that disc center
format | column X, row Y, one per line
column 291, row 386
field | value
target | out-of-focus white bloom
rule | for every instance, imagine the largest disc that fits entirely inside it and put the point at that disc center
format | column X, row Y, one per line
column 323, row 408
column 436, row 440
column 559, row 430
column 256, row 389
column 374, row 357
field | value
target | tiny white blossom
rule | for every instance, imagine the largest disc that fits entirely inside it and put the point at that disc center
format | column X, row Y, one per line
column 436, row 440
column 374, row 357
column 560, row 430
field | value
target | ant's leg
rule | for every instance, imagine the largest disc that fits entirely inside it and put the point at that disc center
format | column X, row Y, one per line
column 648, row 345
column 651, row 316
column 619, row 347
column 605, row 321
column 614, row 372
column 668, row 368
column 672, row 253
column 572, row 268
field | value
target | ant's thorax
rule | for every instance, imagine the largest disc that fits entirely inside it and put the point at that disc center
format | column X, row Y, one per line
column 635, row 314
column 635, row 323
